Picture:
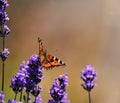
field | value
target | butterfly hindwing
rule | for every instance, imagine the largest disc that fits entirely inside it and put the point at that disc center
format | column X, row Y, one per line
column 47, row 60
column 54, row 61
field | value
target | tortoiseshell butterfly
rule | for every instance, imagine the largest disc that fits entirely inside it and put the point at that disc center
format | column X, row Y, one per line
column 48, row 61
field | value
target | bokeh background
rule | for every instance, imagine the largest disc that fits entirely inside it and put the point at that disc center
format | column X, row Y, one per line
column 79, row 32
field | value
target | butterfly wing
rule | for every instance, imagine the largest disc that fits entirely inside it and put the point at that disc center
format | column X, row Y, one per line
column 54, row 61
column 51, row 62
column 47, row 60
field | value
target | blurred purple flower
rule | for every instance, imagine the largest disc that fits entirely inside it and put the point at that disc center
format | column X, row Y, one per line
column 4, row 54
column 13, row 101
column 88, row 74
column 1, row 97
column 58, row 90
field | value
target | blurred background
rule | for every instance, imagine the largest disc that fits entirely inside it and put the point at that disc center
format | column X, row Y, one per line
column 79, row 32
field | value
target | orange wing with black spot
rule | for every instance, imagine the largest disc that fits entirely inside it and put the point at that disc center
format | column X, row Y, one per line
column 47, row 60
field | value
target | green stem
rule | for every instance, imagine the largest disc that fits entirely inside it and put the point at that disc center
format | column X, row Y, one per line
column 3, row 42
column 35, row 93
column 15, row 96
column 35, row 99
column 20, row 96
column 3, row 65
column 89, row 96
column 27, row 97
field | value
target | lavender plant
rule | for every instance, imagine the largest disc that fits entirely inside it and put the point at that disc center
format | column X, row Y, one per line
column 18, row 81
column 88, row 75
column 27, row 78
column 34, row 76
column 58, row 90
column 4, row 30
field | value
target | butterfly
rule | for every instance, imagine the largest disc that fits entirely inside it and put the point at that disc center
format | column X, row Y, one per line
column 48, row 61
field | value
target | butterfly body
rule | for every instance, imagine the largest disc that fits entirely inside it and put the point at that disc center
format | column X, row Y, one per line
column 48, row 61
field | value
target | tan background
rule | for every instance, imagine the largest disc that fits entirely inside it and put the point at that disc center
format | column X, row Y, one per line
column 80, row 32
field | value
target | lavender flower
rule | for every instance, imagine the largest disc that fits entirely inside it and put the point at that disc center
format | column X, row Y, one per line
column 4, row 30
column 4, row 54
column 36, row 91
column 88, row 74
column 38, row 99
column 13, row 101
column 17, row 84
column 1, row 97
column 34, row 73
column 58, row 90
column 3, row 17
column 18, row 81
column 27, row 77
column 3, row 4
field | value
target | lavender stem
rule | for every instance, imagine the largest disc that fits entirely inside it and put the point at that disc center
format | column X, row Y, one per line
column 15, row 96
column 27, row 97
column 89, row 96
column 3, row 65
column 20, row 96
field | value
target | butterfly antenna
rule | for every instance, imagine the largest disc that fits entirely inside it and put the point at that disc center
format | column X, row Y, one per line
column 39, row 40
